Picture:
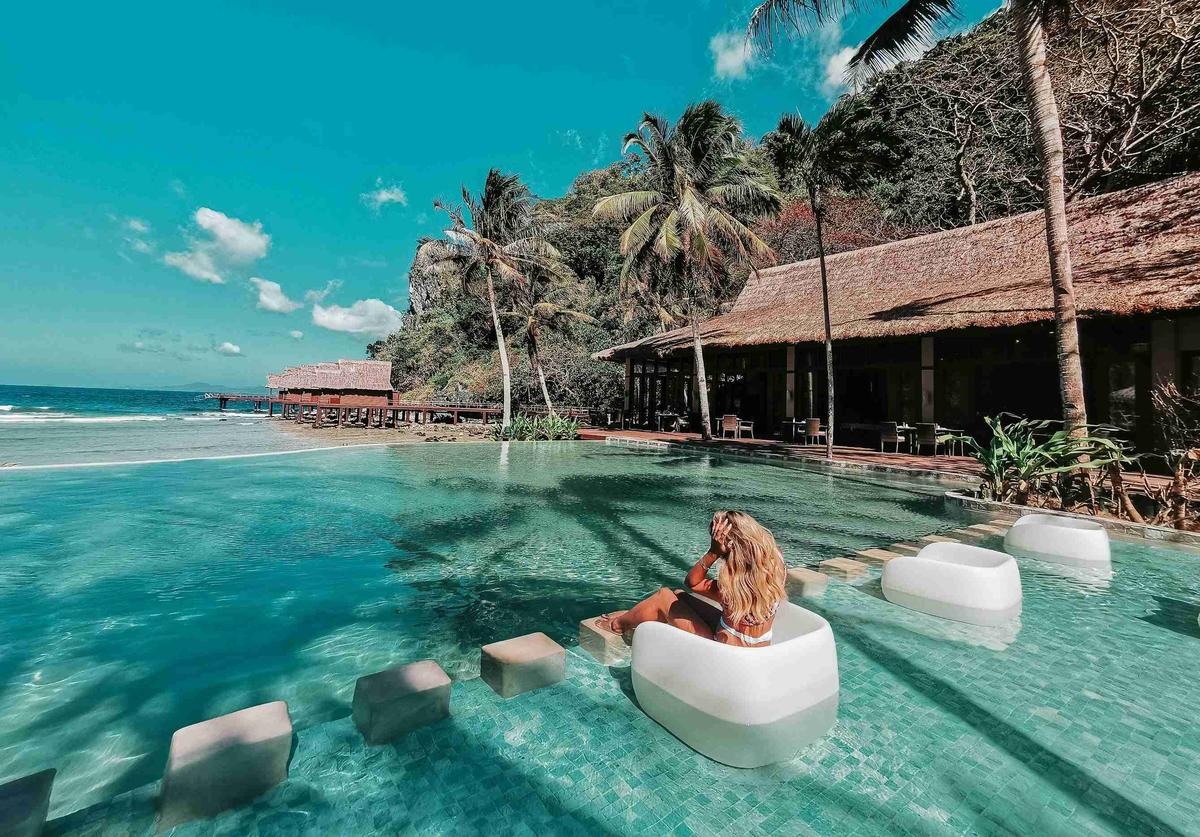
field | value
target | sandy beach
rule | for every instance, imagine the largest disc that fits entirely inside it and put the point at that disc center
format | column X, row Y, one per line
column 406, row 432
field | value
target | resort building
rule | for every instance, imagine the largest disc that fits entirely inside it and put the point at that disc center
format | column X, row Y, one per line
column 332, row 381
column 951, row 327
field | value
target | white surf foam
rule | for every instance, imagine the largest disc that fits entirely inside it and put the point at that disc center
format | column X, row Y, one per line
column 66, row 419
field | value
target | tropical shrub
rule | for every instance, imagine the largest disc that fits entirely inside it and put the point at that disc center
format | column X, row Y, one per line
column 1039, row 463
column 547, row 428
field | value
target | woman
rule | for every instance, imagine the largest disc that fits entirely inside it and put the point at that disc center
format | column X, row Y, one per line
column 749, row 588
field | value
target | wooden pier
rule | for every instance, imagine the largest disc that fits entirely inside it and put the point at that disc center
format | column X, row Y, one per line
column 378, row 411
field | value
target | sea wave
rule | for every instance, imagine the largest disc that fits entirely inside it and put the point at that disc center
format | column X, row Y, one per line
column 5, row 407
column 66, row 419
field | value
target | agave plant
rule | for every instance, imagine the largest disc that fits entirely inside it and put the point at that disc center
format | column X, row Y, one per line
column 1030, row 461
column 525, row 428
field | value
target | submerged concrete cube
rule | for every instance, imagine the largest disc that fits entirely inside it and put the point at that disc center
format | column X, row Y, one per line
column 224, row 762
column 522, row 664
column 877, row 556
column 844, row 568
column 608, row 648
column 392, row 702
column 904, row 548
column 802, row 581
column 24, row 804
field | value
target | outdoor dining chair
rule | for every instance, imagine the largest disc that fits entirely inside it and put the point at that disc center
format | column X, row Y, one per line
column 730, row 425
column 889, row 434
column 813, row 431
column 930, row 435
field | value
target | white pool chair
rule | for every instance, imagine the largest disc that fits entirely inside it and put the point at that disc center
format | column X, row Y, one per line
column 956, row 581
column 1060, row 540
column 745, row 707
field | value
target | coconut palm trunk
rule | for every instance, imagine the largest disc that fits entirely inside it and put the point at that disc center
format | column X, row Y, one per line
column 1047, row 136
column 814, row 195
column 505, row 372
column 535, row 360
column 701, row 378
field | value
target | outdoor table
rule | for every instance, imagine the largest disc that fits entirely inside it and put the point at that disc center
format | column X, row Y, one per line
column 793, row 424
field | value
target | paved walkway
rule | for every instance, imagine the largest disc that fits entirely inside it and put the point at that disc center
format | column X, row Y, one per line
column 953, row 466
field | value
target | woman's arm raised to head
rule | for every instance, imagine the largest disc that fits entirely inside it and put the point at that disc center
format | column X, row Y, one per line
column 697, row 578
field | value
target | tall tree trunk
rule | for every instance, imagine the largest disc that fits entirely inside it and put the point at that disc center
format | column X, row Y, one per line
column 535, row 359
column 1047, row 135
column 701, row 378
column 505, row 372
column 814, row 195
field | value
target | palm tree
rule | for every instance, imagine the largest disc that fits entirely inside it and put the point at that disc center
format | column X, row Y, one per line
column 494, row 236
column 542, row 305
column 912, row 24
column 687, row 226
column 836, row 153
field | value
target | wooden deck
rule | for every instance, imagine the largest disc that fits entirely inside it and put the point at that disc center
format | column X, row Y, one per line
column 955, row 467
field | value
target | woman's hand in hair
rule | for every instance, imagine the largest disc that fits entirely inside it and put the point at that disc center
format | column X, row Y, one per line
column 720, row 535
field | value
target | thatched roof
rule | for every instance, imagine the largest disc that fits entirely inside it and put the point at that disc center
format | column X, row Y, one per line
column 1134, row 252
column 368, row 375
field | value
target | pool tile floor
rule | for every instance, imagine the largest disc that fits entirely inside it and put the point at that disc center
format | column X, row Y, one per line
column 943, row 728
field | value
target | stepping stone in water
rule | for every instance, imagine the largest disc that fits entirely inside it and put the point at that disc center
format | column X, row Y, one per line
column 801, row 581
column 224, row 762
column 513, row 666
column 904, row 548
column 990, row 528
column 877, row 556
column 939, row 539
column 24, row 804
column 844, row 568
column 392, row 702
column 608, row 648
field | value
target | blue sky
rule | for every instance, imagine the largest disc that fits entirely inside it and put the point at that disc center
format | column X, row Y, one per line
column 155, row 158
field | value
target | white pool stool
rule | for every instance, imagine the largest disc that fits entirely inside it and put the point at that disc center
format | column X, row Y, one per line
column 745, row 707
column 956, row 581
column 1060, row 540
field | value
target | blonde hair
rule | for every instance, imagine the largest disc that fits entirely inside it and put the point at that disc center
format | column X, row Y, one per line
column 752, row 580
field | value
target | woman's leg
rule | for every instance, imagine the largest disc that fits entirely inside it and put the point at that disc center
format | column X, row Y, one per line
column 665, row 606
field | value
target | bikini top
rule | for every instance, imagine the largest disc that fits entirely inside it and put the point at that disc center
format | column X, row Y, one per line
column 749, row 640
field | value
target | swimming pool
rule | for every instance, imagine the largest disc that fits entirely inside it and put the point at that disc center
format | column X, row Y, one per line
column 139, row 599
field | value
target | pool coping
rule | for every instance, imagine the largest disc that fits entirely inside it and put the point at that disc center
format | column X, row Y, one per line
column 1128, row 528
column 835, row 467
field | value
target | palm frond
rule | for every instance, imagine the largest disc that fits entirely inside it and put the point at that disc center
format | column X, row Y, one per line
column 909, row 27
column 639, row 233
column 627, row 205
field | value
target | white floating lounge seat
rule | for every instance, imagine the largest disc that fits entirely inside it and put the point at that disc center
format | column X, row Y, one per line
column 1060, row 540
column 956, row 581
column 744, row 707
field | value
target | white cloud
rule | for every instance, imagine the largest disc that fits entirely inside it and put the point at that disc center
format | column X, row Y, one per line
column 141, row 246
column 230, row 242
column 272, row 298
column 836, row 65
column 230, row 349
column 137, row 225
column 367, row 316
column 236, row 240
column 178, row 188
column 197, row 264
column 732, row 53
column 315, row 296
column 382, row 195
column 296, row 334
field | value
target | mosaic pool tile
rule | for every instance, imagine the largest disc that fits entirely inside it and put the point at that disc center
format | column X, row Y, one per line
column 1078, row 721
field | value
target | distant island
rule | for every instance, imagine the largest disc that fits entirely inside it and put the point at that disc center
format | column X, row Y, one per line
column 200, row 386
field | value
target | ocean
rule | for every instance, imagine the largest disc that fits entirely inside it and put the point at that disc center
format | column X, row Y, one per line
column 59, row 426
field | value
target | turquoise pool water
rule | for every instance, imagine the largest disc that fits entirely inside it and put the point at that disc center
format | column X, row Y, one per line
column 140, row 599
